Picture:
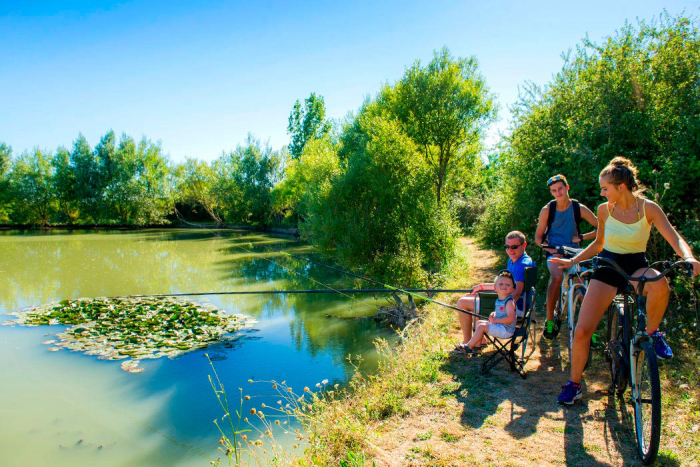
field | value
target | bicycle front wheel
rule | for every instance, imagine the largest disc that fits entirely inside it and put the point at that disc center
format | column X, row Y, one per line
column 646, row 395
column 573, row 318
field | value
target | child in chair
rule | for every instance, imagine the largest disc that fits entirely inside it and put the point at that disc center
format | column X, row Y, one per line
column 501, row 322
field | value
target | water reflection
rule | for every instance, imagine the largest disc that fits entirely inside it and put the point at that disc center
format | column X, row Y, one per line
column 163, row 416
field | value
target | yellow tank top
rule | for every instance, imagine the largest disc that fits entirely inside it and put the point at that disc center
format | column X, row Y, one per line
column 627, row 238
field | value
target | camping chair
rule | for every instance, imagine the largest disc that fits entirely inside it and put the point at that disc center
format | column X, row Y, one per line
column 514, row 350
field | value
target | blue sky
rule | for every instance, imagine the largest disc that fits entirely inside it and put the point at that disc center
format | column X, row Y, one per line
column 198, row 76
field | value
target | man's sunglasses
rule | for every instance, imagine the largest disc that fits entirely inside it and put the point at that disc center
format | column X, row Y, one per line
column 513, row 247
column 556, row 178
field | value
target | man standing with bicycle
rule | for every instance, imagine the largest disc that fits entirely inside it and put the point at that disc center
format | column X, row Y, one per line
column 559, row 226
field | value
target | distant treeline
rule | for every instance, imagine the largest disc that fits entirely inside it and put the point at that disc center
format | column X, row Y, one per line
column 387, row 190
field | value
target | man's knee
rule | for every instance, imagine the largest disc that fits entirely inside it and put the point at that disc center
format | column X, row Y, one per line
column 466, row 303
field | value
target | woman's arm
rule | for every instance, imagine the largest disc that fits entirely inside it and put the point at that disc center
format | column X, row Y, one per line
column 656, row 216
column 592, row 249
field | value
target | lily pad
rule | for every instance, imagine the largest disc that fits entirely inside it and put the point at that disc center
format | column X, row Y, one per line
column 132, row 328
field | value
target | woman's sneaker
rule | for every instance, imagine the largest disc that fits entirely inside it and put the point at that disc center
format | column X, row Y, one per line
column 550, row 330
column 570, row 393
column 663, row 350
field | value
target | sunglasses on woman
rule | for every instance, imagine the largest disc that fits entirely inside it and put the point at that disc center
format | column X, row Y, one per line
column 513, row 247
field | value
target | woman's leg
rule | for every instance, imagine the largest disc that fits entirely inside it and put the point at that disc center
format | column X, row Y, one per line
column 597, row 299
column 657, row 298
column 465, row 320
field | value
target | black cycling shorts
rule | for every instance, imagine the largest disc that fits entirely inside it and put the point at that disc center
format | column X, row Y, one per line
column 629, row 262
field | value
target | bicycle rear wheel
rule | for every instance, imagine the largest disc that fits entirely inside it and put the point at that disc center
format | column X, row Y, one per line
column 646, row 395
column 614, row 352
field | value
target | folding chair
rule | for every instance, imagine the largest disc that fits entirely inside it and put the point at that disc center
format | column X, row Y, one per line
column 514, row 350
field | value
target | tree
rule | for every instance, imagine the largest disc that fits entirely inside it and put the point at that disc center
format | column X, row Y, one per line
column 307, row 123
column 5, row 164
column 444, row 108
column 245, row 180
column 63, row 186
column 88, row 180
column 195, row 181
column 30, row 186
column 380, row 213
column 305, row 178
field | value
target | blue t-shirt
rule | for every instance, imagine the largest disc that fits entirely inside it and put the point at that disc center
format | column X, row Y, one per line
column 518, row 271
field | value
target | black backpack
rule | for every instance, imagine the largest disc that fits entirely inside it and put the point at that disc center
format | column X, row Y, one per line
column 553, row 210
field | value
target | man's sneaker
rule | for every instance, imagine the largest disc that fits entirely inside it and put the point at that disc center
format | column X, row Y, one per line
column 663, row 351
column 597, row 342
column 550, row 329
column 570, row 393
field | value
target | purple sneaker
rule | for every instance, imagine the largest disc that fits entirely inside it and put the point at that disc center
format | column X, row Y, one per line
column 570, row 393
column 663, row 350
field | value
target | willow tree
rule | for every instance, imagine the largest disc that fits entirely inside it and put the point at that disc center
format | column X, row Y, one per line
column 444, row 108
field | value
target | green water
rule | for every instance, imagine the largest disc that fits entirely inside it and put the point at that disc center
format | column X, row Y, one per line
column 68, row 409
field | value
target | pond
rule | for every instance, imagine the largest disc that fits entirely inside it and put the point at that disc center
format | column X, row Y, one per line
column 65, row 408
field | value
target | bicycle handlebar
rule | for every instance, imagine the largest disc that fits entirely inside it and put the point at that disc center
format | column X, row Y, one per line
column 565, row 251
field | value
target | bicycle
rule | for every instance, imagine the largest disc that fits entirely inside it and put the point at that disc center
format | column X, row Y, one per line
column 573, row 288
column 632, row 358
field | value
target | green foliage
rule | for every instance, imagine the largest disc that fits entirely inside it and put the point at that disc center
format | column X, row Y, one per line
column 244, row 183
column 635, row 95
column 195, row 181
column 30, row 188
column 444, row 108
column 307, row 123
column 5, row 198
column 88, row 181
column 381, row 213
column 305, row 178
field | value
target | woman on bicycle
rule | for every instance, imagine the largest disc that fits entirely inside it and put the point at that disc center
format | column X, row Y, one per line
column 624, row 225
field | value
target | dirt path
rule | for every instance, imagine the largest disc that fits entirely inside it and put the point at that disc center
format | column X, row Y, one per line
column 465, row 418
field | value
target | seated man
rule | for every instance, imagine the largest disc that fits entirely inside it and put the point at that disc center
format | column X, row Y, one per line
column 517, row 262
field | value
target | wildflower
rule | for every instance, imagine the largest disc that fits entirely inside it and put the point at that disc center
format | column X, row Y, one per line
column 318, row 385
column 268, row 433
column 252, row 411
column 667, row 185
column 247, row 398
column 262, row 405
column 221, row 441
column 335, row 386
column 245, row 419
column 295, row 446
column 274, row 386
column 277, row 422
column 324, row 382
column 306, row 389
column 250, row 380
column 279, row 402
column 245, row 437
column 261, row 415
column 289, row 389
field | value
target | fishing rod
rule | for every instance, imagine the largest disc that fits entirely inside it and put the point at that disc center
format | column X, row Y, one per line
column 308, row 291
column 387, row 286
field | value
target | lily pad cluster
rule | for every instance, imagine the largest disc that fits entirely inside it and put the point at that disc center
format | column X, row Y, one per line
column 132, row 328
